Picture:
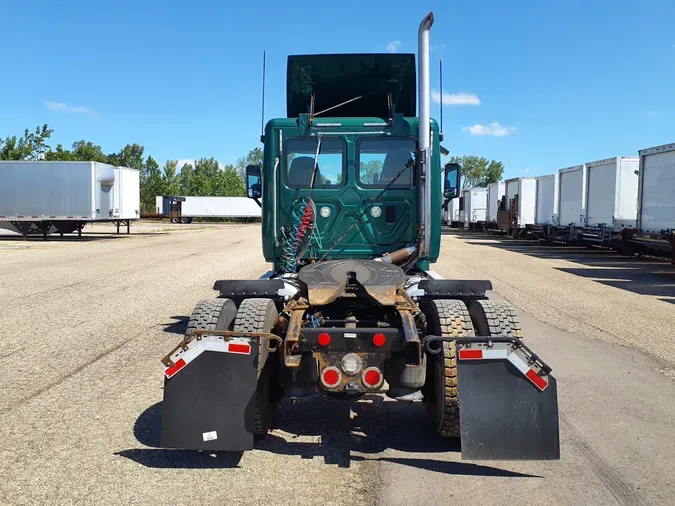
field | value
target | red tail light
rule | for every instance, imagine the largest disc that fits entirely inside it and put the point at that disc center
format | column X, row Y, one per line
column 324, row 339
column 372, row 377
column 379, row 340
column 331, row 377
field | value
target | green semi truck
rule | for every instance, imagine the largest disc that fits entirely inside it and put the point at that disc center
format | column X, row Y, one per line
column 352, row 190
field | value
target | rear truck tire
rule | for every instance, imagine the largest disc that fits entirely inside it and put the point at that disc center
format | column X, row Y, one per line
column 495, row 318
column 212, row 314
column 260, row 315
column 445, row 318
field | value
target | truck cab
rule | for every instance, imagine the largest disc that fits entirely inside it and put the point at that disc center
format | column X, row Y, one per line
column 349, row 148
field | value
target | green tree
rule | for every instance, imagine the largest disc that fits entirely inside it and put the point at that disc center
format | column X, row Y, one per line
column 206, row 175
column 254, row 157
column 185, row 178
column 370, row 170
column 130, row 156
column 494, row 173
column 152, row 183
column 171, row 178
column 32, row 146
column 86, row 151
column 478, row 171
column 58, row 155
column 231, row 184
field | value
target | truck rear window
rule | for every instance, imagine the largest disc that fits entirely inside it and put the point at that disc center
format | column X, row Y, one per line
column 299, row 155
column 380, row 159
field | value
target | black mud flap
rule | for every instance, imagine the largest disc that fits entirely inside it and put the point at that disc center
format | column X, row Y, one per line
column 210, row 403
column 503, row 415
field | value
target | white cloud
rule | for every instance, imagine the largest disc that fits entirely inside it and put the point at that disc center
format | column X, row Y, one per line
column 436, row 47
column 183, row 161
column 59, row 107
column 460, row 98
column 494, row 129
column 526, row 171
column 393, row 46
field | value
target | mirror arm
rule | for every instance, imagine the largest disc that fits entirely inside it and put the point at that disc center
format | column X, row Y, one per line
column 257, row 201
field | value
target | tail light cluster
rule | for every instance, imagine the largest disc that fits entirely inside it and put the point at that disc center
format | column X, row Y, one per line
column 371, row 377
column 331, row 377
column 351, row 365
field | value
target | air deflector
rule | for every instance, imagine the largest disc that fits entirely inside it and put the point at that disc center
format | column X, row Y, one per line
column 337, row 78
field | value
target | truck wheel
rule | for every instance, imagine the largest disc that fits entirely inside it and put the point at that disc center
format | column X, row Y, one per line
column 212, row 314
column 495, row 318
column 445, row 318
column 260, row 315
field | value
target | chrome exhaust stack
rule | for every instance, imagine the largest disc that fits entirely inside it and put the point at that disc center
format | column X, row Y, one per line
column 424, row 151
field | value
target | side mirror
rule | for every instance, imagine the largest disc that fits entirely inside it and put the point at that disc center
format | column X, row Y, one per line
column 253, row 186
column 452, row 179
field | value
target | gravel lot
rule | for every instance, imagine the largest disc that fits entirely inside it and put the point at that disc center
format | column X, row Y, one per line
column 83, row 324
column 595, row 292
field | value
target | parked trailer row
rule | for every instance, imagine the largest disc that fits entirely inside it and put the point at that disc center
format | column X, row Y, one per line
column 183, row 209
column 45, row 197
column 623, row 202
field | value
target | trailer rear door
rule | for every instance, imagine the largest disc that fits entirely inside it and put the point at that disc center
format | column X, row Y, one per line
column 601, row 193
column 657, row 192
column 572, row 196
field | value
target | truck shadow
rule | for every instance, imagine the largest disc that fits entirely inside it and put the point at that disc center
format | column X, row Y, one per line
column 178, row 326
column 339, row 432
column 640, row 275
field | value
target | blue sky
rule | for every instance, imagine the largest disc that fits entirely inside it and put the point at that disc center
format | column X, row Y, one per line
column 562, row 82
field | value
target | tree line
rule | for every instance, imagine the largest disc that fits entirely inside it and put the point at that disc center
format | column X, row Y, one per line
column 478, row 171
column 205, row 177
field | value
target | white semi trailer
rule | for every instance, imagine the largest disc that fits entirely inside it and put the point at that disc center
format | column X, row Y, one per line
column 451, row 213
column 495, row 195
column 547, row 200
column 46, row 197
column 655, row 231
column 610, row 202
column 183, row 209
column 475, row 208
column 572, row 189
column 521, row 202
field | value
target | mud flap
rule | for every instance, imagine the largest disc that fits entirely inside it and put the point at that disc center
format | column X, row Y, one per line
column 504, row 415
column 209, row 404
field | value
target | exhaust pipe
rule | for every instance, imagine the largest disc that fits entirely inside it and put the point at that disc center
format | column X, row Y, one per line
column 423, row 79
column 424, row 152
